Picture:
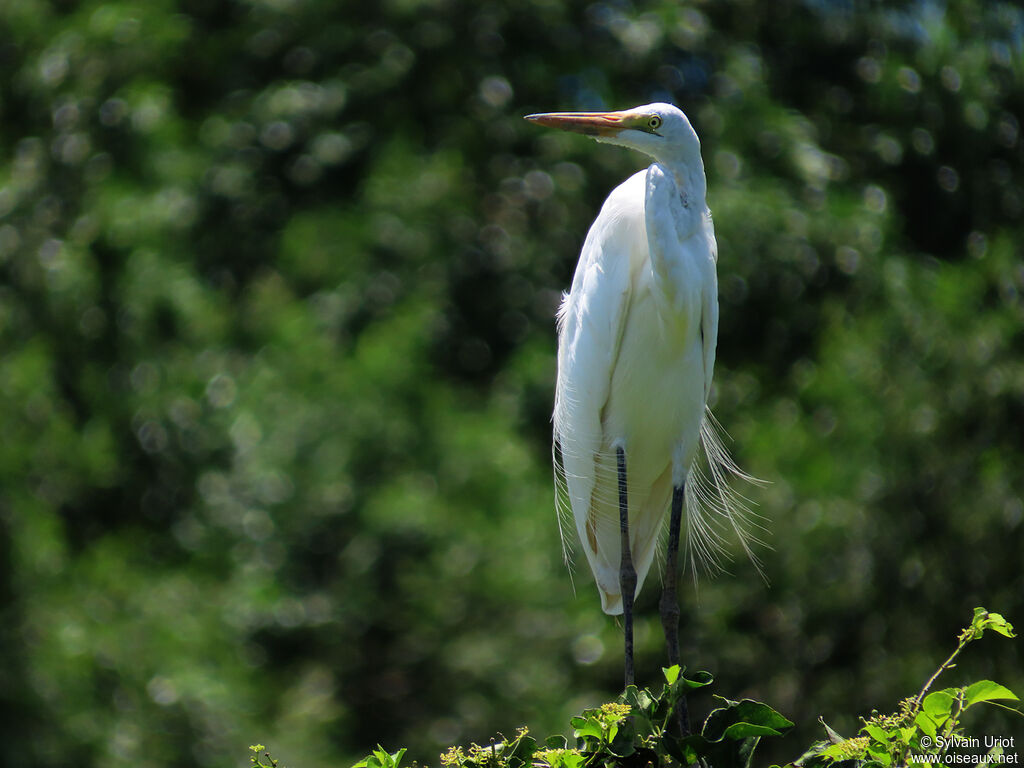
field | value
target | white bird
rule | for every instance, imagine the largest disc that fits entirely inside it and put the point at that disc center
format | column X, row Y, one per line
column 636, row 352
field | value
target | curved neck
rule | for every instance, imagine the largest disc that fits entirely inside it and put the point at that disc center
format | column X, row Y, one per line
column 689, row 178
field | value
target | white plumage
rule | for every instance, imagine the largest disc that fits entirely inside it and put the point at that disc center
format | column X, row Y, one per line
column 636, row 353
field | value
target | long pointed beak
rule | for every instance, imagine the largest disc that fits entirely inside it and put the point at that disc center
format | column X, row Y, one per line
column 589, row 123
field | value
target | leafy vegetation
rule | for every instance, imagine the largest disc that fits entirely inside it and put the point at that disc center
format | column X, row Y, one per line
column 638, row 729
column 928, row 724
column 641, row 729
column 277, row 285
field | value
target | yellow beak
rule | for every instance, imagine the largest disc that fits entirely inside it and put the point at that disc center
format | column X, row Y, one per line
column 589, row 123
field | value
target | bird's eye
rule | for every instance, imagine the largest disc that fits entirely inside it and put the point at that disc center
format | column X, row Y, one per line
column 654, row 122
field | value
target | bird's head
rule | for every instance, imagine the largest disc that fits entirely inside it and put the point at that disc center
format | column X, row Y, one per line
column 659, row 130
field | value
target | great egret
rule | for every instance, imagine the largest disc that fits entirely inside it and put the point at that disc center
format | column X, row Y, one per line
column 636, row 351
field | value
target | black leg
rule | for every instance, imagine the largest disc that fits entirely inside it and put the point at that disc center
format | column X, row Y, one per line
column 669, row 601
column 627, row 573
column 669, row 604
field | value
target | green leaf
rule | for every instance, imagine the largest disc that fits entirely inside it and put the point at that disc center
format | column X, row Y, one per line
column 381, row 759
column 744, row 730
column 730, row 734
column 558, row 741
column 746, row 711
column 880, row 753
column 522, row 751
column 638, row 726
column 811, row 756
column 671, row 673
column 937, row 707
column 877, row 733
column 700, row 679
column 925, row 724
column 642, row 702
column 622, row 748
column 836, row 752
column 986, row 690
column 587, row 728
column 984, row 620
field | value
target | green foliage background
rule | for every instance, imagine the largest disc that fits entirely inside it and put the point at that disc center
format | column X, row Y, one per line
column 277, row 280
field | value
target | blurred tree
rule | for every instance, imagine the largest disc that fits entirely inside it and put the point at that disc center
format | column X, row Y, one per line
column 276, row 288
